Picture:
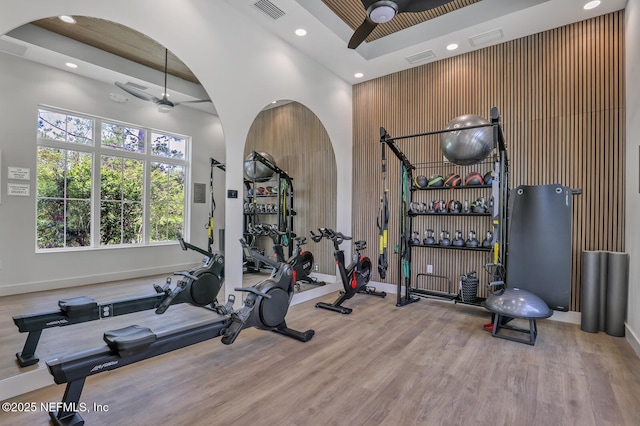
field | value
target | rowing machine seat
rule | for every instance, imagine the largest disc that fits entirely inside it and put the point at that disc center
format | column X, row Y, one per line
column 130, row 340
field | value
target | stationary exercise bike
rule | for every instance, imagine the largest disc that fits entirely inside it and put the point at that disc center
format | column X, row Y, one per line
column 264, row 308
column 301, row 260
column 199, row 287
column 355, row 277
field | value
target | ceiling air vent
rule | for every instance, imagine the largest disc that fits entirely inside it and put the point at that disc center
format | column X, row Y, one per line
column 269, row 9
column 486, row 38
column 422, row 56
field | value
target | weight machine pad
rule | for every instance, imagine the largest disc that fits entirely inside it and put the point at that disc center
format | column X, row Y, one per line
column 129, row 340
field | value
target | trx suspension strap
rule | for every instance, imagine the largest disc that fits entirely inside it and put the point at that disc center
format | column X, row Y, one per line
column 383, row 220
column 211, row 225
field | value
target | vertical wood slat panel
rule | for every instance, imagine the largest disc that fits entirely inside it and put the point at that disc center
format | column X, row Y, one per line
column 561, row 98
column 300, row 145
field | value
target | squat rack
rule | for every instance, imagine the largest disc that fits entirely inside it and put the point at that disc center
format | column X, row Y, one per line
column 499, row 191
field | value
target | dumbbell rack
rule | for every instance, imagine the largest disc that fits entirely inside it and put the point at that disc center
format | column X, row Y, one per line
column 282, row 205
column 408, row 190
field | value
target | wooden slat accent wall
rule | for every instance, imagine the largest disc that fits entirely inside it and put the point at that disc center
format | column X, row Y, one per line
column 299, row 143
column 560, row 94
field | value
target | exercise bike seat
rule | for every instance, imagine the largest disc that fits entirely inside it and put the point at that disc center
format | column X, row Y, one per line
column 78, row 306
column 129, row 340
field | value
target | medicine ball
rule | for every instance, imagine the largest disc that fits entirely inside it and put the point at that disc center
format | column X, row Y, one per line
column 453, row 179
column 420, row 182
column 435, row 181
column 488, row 178
column 473, row 178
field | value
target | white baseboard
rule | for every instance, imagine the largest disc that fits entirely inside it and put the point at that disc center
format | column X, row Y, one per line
column 632, row 338
column 11, row 289
column 25, row 382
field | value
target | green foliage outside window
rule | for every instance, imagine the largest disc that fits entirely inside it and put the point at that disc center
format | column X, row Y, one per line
column 65, row 187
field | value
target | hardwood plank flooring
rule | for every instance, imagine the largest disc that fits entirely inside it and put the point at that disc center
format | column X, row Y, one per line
column 429, row 363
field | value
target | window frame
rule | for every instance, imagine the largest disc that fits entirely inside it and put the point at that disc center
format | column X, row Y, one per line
column 97, row 152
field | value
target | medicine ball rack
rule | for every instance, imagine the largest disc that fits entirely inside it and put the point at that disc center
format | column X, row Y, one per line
column 499, row 191
column 283, row 197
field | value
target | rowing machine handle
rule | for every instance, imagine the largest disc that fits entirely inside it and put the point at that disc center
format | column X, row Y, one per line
column 171, row 295
column 240, row 317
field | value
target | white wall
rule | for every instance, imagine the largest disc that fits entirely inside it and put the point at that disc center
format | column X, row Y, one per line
column 241, row 66
column 24, row 86
column 632, row 225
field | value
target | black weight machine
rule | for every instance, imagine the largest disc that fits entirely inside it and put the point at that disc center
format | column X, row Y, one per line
column 264, row 308
column 198, row 286
column 499, row 190
column 355, row 276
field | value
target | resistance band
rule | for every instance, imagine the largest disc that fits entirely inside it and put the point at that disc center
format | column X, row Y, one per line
column 212, row 224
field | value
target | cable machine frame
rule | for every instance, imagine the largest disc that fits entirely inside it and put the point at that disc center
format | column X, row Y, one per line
column 499, row 191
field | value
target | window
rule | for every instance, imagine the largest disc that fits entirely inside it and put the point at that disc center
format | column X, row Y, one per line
column 136, row 196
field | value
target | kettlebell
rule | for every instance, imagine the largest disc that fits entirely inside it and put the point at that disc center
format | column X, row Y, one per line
column 487, row 241
column 454, row 206
column 458, row 241
column 472, row 241
column 466, row 209
column 429, row 239
column 479, row 206
column 444, row 238
column 439, row 206
column 415, row 238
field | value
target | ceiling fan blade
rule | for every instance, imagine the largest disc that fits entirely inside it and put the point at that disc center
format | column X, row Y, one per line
column 421, row 5
column 137, row 93
column 192, row 102
column 361, row 33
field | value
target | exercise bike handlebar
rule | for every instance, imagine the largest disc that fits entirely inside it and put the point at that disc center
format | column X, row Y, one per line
column 337, row 237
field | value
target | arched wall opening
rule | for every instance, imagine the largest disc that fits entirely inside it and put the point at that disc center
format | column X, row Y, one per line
column 300, row 145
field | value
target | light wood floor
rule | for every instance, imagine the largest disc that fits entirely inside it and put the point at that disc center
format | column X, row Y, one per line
column 428, row 363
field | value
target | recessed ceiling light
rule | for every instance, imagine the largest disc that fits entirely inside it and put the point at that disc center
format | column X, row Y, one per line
column 68, row 19
column 591, row 5
column 71, row 65
column 358, row 75
column 301, row 32
column 273, row 102
column 452, row 46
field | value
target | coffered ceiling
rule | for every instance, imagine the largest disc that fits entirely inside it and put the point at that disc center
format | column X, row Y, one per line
column 408, row 40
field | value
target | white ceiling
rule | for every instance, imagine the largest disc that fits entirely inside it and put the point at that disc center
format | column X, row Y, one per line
column 327, row 38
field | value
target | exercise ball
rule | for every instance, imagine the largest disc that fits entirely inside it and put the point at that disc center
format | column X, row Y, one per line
column 466, row 147
column 255, row 170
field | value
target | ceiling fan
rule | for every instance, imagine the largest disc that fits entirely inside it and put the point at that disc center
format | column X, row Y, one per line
column 381, row 11
column 164, row 104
